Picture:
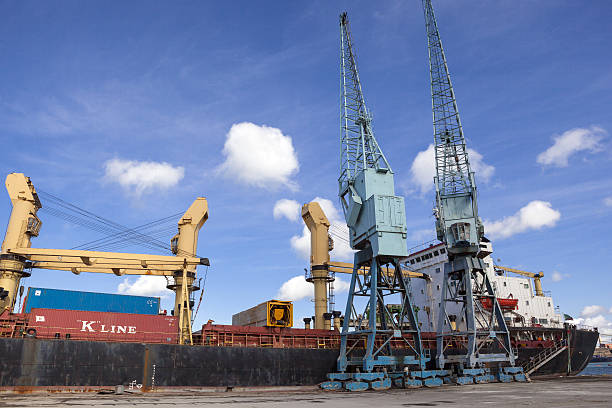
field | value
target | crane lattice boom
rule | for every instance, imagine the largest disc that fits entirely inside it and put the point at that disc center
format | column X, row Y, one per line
column 452, row 163
column 359, row 147
column 485, row 335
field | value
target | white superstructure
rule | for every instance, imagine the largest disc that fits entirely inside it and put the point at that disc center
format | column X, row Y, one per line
column 530, row 311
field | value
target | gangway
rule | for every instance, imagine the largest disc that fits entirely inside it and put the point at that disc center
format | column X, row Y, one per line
column 544, row 357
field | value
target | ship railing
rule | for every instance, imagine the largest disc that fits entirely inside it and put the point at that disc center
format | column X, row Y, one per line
column 423, row 246
column 585, row 327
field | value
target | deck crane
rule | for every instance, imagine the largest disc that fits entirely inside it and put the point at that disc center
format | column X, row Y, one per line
column 537, row 277
column 376, row 220
column 483, row 337
column 17, row 257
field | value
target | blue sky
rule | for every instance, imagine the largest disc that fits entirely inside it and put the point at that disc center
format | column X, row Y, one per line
column 84, row 84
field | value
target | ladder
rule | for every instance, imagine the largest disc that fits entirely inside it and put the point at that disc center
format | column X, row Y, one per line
column 544, row 357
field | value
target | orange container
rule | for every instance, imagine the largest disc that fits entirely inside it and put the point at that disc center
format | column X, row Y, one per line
column 102, row 326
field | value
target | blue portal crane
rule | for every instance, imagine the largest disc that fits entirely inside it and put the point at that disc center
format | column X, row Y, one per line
column 376, row 219
column 482, row 336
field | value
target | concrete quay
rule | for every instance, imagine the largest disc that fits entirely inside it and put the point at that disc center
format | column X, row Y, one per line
column 571, row 392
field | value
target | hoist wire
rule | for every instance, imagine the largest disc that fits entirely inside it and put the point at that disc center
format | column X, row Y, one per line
column 125, row 243
column 339, row 233
column 92, row 221
column 102, row 225
column 122, row 236
column 201, row 295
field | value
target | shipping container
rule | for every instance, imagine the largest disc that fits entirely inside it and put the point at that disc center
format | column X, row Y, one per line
column 44, row 298
column 101, row 326
column 273, row 313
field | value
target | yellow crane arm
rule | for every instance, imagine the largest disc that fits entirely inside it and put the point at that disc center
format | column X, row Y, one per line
column 537, row 282
column 346, row 267
column 118, row 263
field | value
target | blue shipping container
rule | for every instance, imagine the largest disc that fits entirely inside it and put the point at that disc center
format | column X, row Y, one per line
column 44, row 298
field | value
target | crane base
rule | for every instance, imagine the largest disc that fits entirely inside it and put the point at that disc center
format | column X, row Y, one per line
column 357, row 382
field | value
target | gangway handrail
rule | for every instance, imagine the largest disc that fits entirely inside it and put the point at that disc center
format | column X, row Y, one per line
column 544, row 357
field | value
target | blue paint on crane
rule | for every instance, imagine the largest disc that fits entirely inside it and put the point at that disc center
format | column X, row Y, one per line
column 44, row 298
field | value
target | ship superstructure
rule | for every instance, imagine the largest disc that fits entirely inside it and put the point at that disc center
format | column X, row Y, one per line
column 519, row 300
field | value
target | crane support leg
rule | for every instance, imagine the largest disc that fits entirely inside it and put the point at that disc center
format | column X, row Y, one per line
column 479, row 338
column 379, row 348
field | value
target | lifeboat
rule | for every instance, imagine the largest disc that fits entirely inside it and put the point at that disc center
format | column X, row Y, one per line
column 506, row 304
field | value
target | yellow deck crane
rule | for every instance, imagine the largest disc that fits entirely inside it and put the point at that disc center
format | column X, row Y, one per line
column 321, row 244
column 18, row 256
column 537, row 283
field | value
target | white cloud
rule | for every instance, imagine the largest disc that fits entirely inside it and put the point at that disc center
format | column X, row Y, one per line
column 139, row 177
column 423, row 168
column 483, row 171
column 603, row 325
column 593, row 316
column 590, row 311
column 570, row 142
column 259, row 156
column 608, row 201
column 301, row 243
column 330, row 210
column 145, row 286
column 297, row 288
column 341, row 286
column 558, row 276
column 339, row 231
column 289, row 209
column 534, row 216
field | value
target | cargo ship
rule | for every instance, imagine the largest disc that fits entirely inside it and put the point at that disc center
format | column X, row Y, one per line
column 69, row 351
column 81, row 347
column 85, row 340
column 71, row 348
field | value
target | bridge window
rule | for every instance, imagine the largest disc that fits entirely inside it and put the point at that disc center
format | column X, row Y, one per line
column 436, row 253
column 442, row 250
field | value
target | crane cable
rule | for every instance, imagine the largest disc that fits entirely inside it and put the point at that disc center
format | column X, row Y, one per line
column 201, row 295
column 79, row 216
column 120, row 237
column 87, row 219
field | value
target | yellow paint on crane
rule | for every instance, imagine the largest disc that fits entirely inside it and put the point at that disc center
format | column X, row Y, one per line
column 537, row 282
column 320, row 245
column 24, row 224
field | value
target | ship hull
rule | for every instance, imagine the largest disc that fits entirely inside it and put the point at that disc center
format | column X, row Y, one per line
column 582, row 346
column 32, row 363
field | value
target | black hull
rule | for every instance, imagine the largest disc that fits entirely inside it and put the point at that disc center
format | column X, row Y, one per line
column 582, row 343
column 52, row 363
